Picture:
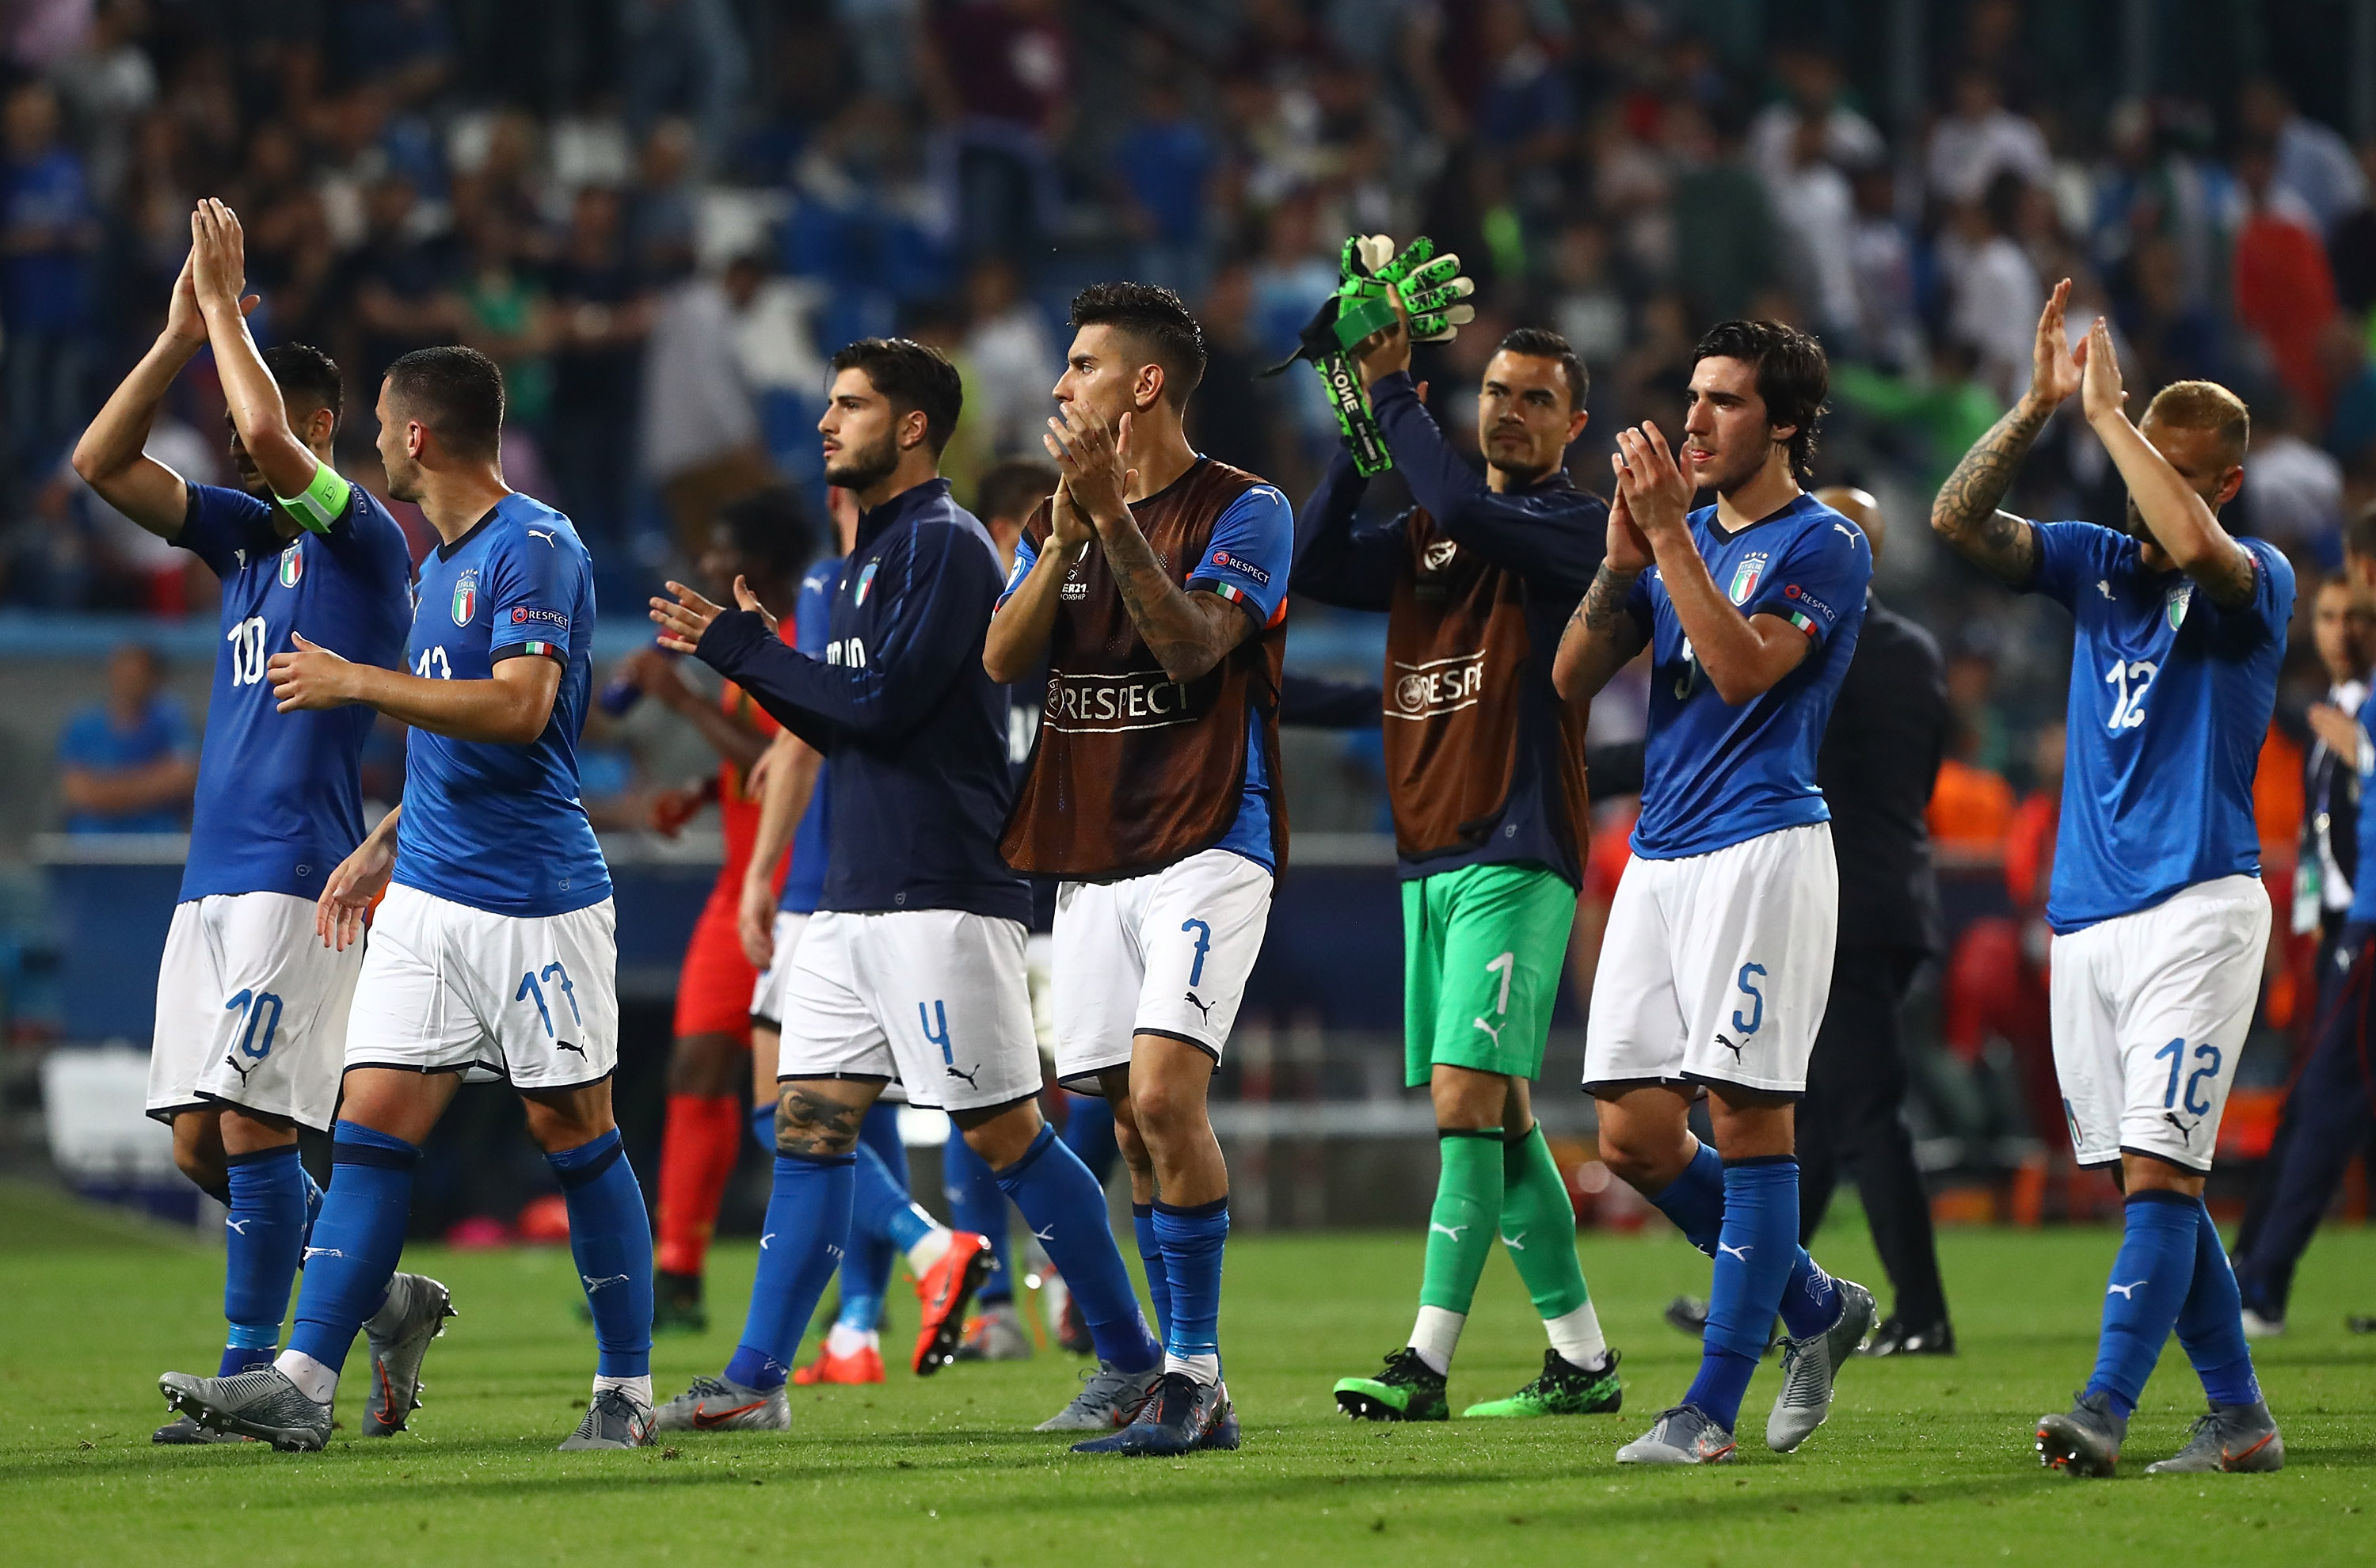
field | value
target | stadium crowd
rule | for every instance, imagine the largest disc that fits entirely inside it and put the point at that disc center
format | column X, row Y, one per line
column 659, row 216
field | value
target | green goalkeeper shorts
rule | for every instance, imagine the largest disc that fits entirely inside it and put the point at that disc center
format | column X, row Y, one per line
column 1483, row 950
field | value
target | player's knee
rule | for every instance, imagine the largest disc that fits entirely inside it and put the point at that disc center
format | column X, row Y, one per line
column 204, row 1167
column 708, row 1065
column 1643, row 1161
column 1161, row 1111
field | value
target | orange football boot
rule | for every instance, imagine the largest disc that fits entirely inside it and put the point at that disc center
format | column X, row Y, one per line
column 944, row 1291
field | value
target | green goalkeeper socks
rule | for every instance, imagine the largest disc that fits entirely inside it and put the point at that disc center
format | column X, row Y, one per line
column 1460, row 1230
column 1539, row 1226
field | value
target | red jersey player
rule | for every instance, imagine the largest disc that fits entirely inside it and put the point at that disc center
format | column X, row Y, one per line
column 766, row 538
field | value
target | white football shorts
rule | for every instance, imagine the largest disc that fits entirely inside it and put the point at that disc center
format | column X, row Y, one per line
column 1716, row 968
column 2150, row 1010
column 932, row 998
column 1168, row 952
column 767, row 994
column 531, row 999
column 251, row 1010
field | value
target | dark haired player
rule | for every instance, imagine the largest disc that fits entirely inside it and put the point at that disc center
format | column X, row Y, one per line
column 492, row 955
column 2159, row 915
column 1485, row 775
column 1719, row 953
column 912, row 966
column 251, row 1009
column 1154, row 583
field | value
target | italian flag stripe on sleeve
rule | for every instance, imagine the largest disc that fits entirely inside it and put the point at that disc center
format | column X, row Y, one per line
column 551, row 650
column 1805, row 622
column 1233, row 594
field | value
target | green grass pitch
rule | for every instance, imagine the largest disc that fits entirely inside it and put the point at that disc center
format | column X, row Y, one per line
column 1923, row 1462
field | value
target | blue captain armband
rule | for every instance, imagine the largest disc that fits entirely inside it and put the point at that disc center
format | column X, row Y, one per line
column 319, row 506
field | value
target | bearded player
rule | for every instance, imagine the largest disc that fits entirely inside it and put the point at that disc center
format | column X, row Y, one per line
column 1154, row 583
column 1717, row 957
column 1485, row 772
column 251, row 1008
column 2157, row 907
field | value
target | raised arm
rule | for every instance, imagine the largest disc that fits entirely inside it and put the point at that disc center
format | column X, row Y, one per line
column 218, row 268
column 2182, row 522
column 110, row 457
column 1966, row 513
column 1603, row 632
column 1026, row 615
column 1337, row 560
column 1188, row 632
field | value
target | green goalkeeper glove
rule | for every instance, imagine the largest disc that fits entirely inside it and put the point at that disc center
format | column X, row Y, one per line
column 1372, row 277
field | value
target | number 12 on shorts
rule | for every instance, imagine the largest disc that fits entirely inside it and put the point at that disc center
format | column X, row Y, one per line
column 2209, row 1058
column 530, row 990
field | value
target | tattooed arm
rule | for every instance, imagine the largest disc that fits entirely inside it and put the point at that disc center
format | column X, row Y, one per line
column 1966, row 513
column 1602, row 633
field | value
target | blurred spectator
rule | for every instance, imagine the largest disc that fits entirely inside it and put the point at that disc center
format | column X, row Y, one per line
column 999, row 75
column 1810, row 84
column 1164, row 167
column 1229, row 419
column 1725, row 240
column 2293, row 491
column 1524, row 113
column 2313, row 162
column 1015, row 360
column 1997, row 291
column 1816, row 206
column 1949, row 411
column 1971, row 691
column 105, row 86
column 395, row 286
column 405, row 46
column 2284, row 290
column 1971, row 807
column 701, row 443
column 1585, row 306
column 603, row 314
column 685, row 58
column 2350, row 380
column 660, row 215
column 48, row 230
column 1979, row 139
column 129, row 765
column 503, row 310
column 1882, row 254
column 2174, row 337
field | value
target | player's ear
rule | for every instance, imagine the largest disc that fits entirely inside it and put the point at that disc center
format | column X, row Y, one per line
column 2229, row 484
column 1149, row 390
column 913, row 424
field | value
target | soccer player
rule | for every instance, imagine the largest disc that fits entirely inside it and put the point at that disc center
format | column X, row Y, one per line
column 1154, row 582
column 766, row 537
column 251, row 1009
column 493, row 954
column 1485, row 772
column 2159, row 916
column 1718, row 951
column 912, row 966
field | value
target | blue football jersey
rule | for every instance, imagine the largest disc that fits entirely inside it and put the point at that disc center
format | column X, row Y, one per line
column 1714, row 775
column 2170, row 698
column 279, row 795
column 501, row 828
column 804, row 882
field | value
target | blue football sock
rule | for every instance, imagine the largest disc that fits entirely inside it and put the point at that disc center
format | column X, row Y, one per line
column 357, row 1239
column 1089, row 1132
column 1150, row 1257
column 880, row 1209
column 312, row 1207
column 1066, row 1209
column 2211, row 1322
column 879, row 1131
column 977, row 1204
column 611, row 1236
column 1694, row 1200
column 866, row 1267
column 1810, row 1299
column 763, row 1127
column 1755, row 1250
column 805, row 1233
column 262, row 1239
column 1192, row 1240
column 2151, row 1277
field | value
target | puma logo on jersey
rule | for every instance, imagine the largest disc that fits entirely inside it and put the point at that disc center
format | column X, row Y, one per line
column 239, row 1225
column 1493, row 1031
column 2104, row 586
column 956, row 1072
column 1735, row 1048
column 1516, row 1243
column 1044, row 1236
column 565, row 1045
column 2128, row 1292
column 544, row 534
column 1203, row 1009
column 765, row 1239
column 312, row 1253
column 1452, row 1230
column 593, row 1284
column 2185, row 1131
column 1739, row 1253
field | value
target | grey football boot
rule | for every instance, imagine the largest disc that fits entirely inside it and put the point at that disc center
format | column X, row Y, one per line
column 995, row 1334
column 1683, row 1435
column 400, row 1334
column 612, row 1420
column 1110, row 1397
column 1810, row 1365
column 713, row 1404
column 2087, row 1440
column 2235, row 1438
column 262, row 1404
column 181, row 1432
